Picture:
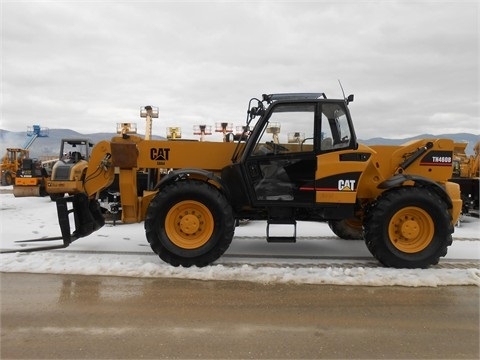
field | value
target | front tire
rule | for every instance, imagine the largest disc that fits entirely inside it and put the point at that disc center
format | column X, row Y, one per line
column 409, row 227
column 189, row 223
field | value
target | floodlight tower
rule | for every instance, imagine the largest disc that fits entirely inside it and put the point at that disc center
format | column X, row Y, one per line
column 274, row 129
column 241, row 132
column 148, row 112
column 126, row 128
column 202, row 130
column 174, row 133
column 296, row 137
column 223, row 127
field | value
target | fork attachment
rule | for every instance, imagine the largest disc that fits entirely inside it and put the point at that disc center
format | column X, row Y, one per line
column 87, row 216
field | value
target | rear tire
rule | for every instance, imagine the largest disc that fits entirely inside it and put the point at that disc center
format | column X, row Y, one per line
column 409, row 227
column 7, row 178
column 189, row 223
column 347, row 229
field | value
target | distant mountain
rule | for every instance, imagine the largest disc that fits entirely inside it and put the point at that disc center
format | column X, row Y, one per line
column 471, row 139
column 50, row 145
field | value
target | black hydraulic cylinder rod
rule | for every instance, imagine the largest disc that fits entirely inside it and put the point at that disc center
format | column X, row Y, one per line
column 419, row 152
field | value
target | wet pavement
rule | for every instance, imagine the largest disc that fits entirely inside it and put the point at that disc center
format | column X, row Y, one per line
column 69, row 316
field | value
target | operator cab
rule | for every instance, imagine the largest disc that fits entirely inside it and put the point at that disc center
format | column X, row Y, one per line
column 279, row 163
column 73, row 152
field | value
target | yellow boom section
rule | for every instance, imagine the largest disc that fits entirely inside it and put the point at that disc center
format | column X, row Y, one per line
column 127, row 156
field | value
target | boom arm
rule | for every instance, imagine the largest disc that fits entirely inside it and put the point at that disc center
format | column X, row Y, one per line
column 100, row 173
column 30, row 141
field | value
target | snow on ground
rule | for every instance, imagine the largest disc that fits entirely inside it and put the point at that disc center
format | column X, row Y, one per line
column 318, row 257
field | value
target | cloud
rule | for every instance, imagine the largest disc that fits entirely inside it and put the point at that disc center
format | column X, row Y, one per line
column 88, row 65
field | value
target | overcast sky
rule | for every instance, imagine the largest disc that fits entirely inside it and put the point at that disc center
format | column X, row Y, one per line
column 87, row 65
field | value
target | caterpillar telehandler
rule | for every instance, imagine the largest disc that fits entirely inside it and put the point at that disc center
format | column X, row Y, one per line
column 398, row 198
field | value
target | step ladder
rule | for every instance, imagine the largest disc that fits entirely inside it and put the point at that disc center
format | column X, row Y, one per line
column 280, row 226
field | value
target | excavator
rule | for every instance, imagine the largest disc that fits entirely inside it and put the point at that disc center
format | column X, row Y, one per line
column 297, row 159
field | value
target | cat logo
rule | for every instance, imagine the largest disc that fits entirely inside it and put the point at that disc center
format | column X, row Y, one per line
column 159, row 154
column 346, row 185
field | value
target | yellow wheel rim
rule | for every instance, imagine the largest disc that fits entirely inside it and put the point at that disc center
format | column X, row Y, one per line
column 189, row 224
column 411, row 229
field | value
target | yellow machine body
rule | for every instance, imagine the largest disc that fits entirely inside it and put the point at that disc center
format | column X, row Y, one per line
column 11, row 163
column 68, row 173
column 130, row 155
column 360, row 182
column 71, row 184
column 190, row 194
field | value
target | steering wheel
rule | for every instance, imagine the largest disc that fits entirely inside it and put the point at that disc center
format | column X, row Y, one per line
column 276, row 147
column 303, row 142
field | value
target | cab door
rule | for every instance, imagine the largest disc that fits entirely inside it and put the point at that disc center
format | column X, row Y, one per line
column 339, row 165
column 281, row 166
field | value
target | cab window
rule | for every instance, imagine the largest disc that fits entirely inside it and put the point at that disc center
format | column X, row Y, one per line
column 289, row 129
column 335, row 130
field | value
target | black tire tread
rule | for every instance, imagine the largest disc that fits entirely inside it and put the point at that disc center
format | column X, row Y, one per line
column 376, row 221
column 179, row 189
column 344, row 231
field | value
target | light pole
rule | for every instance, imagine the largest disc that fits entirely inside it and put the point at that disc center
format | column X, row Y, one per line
column 274, row 129
column 174, row 133
column 223, row 127
column 202, row 130
column 148, row 112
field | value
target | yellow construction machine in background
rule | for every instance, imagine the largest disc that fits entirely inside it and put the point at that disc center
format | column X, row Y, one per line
column 12, row 160
column 68, row 173
column 466, row 174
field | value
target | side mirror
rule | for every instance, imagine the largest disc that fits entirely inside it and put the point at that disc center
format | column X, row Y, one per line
column 350, row 98
column 257, row 111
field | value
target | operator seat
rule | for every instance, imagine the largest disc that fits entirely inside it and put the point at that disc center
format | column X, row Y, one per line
column 75, row 157
column 326, row 144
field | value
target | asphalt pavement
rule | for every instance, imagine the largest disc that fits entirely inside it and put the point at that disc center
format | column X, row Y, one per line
column 94, row 317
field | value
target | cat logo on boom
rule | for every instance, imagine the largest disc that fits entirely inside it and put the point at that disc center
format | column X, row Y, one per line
column 159, row 154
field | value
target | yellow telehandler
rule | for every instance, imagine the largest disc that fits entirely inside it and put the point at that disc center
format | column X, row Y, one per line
column 398, row 197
